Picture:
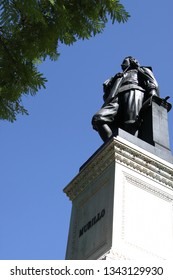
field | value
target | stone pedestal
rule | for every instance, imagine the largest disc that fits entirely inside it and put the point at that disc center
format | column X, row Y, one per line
column 122, row 203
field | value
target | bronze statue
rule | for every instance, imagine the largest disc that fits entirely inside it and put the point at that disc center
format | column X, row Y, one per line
column 124, row 96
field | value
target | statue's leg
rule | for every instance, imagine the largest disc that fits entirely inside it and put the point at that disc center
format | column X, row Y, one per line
column 103, row 119
column 131, row 102
column 105, row 132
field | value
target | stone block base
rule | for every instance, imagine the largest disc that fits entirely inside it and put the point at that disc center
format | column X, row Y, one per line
column 122, row 205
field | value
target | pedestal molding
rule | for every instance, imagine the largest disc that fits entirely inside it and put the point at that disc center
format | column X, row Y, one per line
column 135, row 158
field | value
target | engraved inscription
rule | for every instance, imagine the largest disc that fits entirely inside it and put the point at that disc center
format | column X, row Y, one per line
column 92, row 222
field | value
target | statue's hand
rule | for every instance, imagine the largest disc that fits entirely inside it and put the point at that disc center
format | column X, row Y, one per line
column 153, row 92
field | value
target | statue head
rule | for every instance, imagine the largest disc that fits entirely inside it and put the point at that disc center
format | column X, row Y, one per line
column 129, row 61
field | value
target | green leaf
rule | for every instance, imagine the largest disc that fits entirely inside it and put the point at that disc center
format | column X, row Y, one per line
column 31, row 31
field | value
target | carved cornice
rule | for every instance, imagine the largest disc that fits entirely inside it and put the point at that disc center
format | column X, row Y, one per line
column 131, row 156
column 146, row 164
column 92, row 170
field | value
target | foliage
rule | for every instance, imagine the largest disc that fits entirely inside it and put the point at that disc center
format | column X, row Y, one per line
column 31, row 30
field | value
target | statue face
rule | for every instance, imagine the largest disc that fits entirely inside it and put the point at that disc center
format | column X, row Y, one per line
column 125, row 64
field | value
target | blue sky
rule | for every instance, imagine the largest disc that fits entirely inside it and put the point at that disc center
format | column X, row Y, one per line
column 42, row 152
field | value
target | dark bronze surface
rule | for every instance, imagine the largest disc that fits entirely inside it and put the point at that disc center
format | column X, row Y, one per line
column 125, row 94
